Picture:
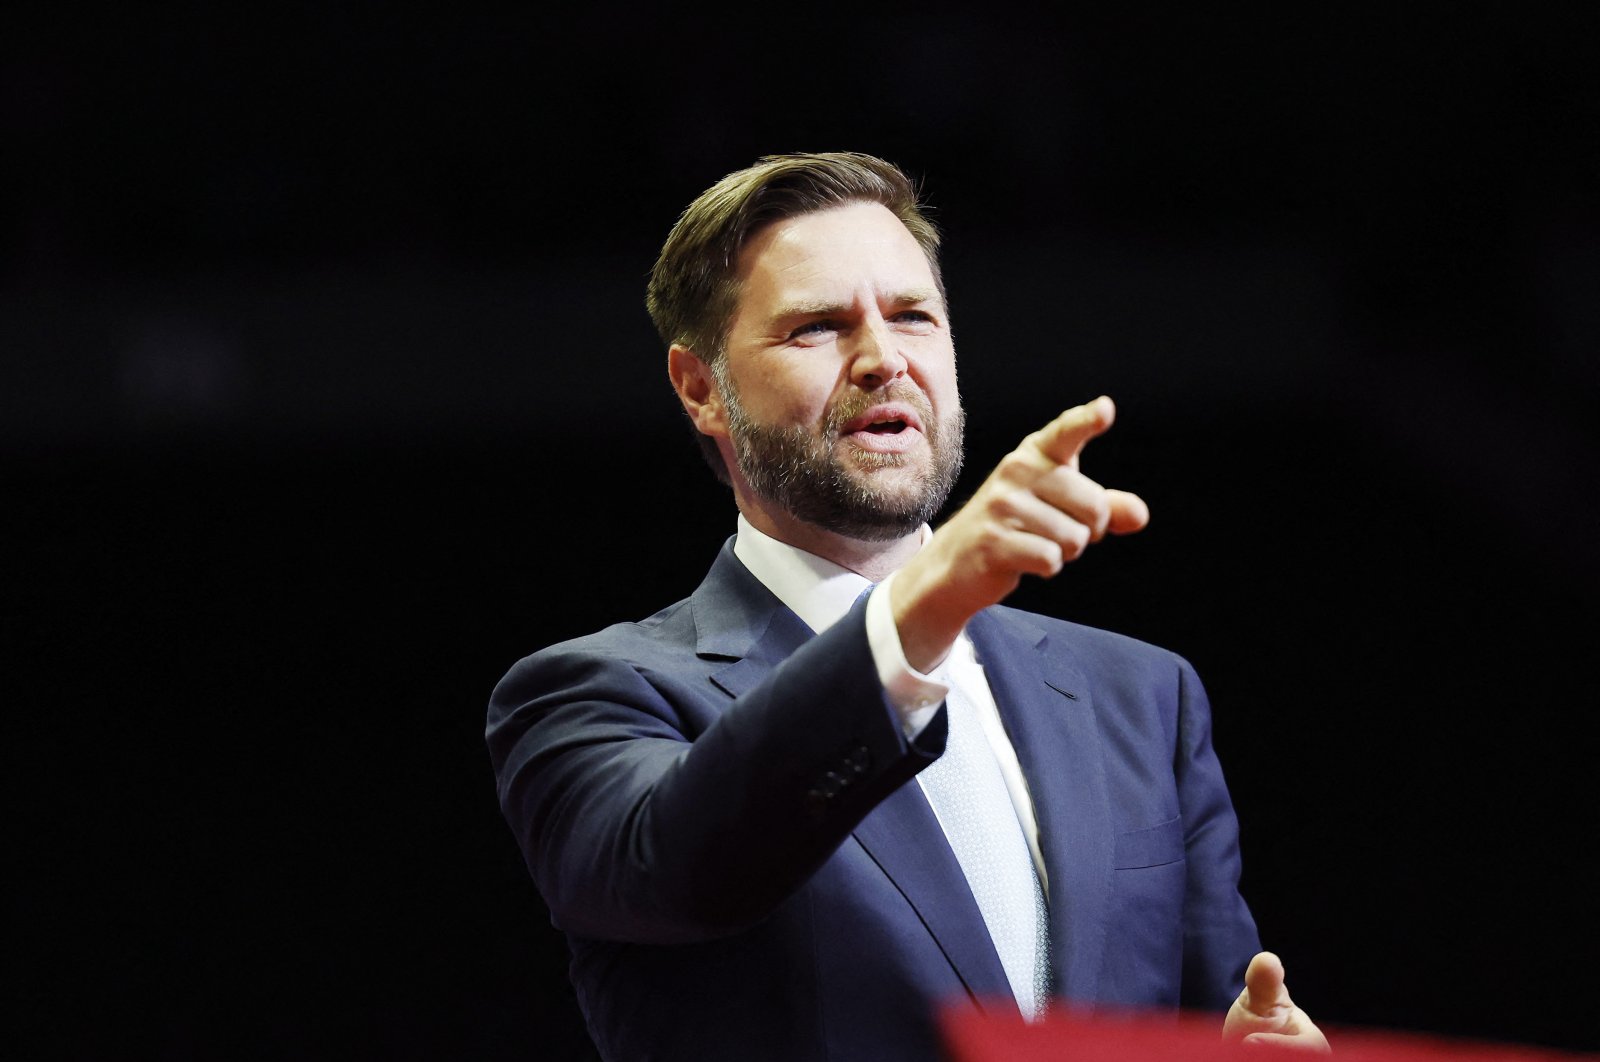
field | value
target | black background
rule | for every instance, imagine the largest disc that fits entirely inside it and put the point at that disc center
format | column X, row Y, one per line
column 326, row 392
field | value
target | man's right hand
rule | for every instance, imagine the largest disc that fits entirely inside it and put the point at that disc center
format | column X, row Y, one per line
column 1035, row 513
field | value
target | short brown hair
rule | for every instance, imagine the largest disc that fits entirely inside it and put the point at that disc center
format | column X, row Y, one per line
column 693, row 285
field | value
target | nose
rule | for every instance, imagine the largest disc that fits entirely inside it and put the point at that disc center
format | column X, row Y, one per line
column 877, row 357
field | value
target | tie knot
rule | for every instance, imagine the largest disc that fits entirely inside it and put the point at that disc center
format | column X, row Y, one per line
column 866, row 593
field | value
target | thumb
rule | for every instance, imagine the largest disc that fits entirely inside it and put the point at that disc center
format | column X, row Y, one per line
column 1264, row 1005
column 1264, row 991
column 1264, row 1013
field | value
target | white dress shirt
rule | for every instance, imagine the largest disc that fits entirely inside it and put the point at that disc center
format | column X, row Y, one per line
column 820, row 592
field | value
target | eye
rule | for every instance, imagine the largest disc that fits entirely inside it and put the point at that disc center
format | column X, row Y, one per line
column 917, row 321
column 814, row 331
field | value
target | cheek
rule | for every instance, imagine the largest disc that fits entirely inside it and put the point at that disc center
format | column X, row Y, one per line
column 937, row 376
column 776, row 396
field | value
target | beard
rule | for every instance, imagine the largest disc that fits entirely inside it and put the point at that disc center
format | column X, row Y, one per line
column 802, row 470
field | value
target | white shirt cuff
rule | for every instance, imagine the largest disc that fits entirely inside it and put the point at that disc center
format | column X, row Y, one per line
column 913, row 695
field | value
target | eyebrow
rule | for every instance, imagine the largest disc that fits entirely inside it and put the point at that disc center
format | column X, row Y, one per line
column 909, row 297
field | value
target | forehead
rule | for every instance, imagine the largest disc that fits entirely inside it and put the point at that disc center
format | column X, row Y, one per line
column 831, row 255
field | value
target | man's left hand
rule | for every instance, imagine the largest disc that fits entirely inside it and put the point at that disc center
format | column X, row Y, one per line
column 1264, row 1014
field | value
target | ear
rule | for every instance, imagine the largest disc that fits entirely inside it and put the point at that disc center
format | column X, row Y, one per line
column 697, row 390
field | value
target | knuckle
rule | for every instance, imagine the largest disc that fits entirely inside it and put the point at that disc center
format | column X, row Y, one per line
column 1099, row 513
column 1014, row 467
column 989, row 547
column 1075, row 541
column 1006, row 504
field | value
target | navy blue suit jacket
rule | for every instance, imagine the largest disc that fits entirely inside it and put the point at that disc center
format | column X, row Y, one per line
column 719, row 809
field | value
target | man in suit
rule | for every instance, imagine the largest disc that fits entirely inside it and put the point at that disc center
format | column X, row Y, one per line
column 841, row 786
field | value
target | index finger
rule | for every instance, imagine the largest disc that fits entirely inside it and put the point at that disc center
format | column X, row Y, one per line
column 1064, row 438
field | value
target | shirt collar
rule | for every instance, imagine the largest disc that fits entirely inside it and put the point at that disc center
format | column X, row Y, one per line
column 819, row 591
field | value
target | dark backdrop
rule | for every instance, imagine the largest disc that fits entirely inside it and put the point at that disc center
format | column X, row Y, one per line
column 326, row 392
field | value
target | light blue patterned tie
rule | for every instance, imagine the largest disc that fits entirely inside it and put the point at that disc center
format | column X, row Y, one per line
column 969, row 795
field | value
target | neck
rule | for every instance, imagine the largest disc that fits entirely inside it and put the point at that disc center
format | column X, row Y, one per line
column 875, row 561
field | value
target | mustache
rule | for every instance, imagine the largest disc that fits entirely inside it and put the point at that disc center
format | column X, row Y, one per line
column 856, row 402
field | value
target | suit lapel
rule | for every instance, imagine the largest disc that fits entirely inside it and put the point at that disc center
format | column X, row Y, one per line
column 783, row 633
column 1044, row 700
column 903, row 836
column 739, row 619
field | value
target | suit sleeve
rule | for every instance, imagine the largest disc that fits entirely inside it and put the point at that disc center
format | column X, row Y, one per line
column 1219, row 933
column 642, row 818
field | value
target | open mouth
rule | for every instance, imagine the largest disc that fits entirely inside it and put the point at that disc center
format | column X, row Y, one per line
column 890, row 427
column 888, row 418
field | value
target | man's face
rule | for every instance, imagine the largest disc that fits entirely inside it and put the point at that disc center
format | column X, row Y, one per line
column 839, row 374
